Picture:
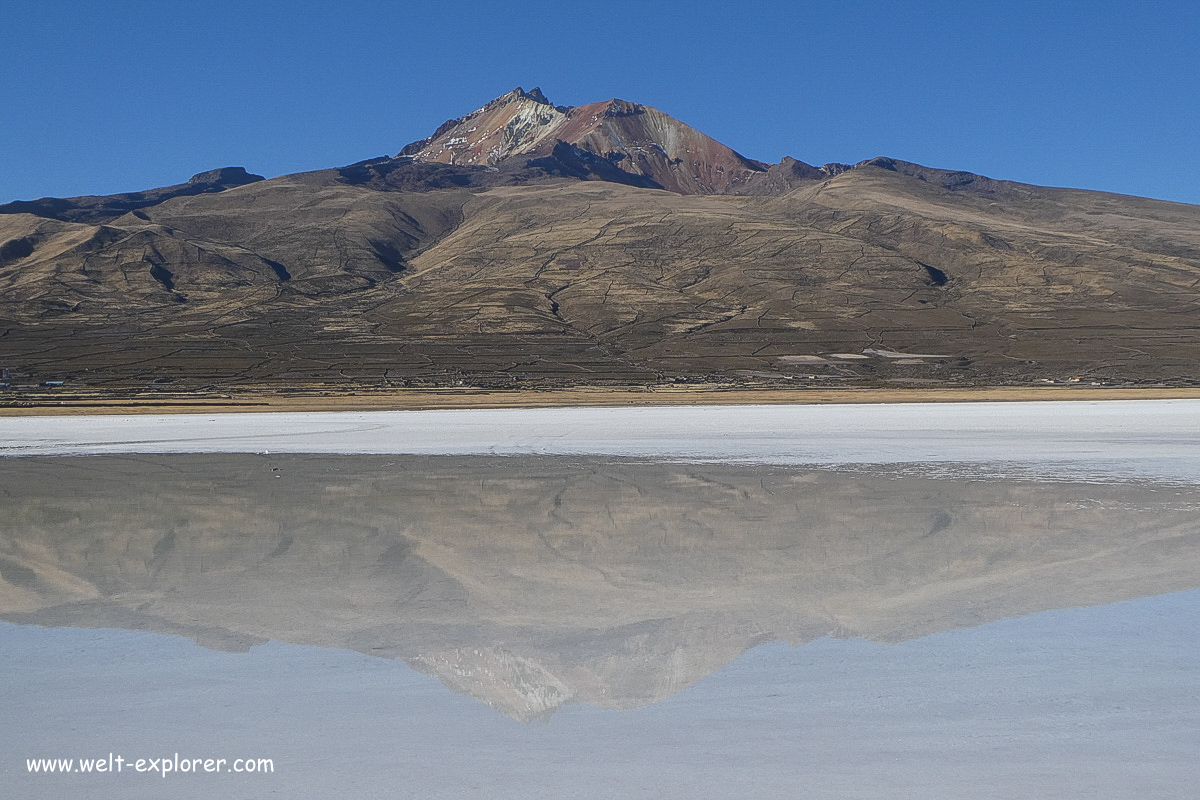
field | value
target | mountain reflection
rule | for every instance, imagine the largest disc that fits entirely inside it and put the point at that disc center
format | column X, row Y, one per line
column 530, row 582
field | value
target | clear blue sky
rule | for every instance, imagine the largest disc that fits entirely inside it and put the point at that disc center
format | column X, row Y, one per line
column 101, row 97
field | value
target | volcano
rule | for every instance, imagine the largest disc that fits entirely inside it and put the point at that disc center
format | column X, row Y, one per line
column 529, row 244
column 613, row 140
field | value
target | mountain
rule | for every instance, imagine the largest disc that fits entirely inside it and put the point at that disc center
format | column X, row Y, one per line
column 529, row 244
column 614, row 140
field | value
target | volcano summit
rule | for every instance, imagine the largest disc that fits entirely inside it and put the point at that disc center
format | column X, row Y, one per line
column 529, row 245
column 614, row 140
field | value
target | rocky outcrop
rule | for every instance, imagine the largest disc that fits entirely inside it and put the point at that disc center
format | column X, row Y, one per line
column 91, row 209
column 631, row 139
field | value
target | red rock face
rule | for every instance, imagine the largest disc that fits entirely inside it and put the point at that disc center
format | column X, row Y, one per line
column 636, row 139
column 509, row 125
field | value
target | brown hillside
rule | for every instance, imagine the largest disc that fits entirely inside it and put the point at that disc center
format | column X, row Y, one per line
column 554, row 261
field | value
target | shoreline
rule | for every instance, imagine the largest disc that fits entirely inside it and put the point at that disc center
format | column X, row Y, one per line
column 51, row 404
column 1147, row 438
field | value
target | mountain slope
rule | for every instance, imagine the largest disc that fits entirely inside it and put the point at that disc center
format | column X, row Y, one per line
column 549, row 253
column 103, row 209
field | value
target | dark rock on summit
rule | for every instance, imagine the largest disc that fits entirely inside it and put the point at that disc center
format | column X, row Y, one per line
column 104, row 209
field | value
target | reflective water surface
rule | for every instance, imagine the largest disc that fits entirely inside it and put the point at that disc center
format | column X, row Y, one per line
column 548, row 626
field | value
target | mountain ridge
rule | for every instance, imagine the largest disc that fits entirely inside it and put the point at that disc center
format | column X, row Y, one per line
column 604, row 244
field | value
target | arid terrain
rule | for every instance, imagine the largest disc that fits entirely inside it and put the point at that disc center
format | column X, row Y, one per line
column 536, row 246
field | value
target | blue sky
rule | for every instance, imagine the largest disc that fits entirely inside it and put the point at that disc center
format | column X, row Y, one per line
column 101, row 97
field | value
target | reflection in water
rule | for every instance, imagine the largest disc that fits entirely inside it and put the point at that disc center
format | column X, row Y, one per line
column 531, row 582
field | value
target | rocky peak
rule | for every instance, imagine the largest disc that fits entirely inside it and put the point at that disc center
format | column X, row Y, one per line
column 518, row 94
column 646, row 146
column 834, row 168
column 536, row 95
column 225, row 177
column 512, row 123
column 622, row 108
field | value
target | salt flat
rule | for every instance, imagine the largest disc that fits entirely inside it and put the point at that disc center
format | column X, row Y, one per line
column 636, row 584
column 1070, row 704
column 1111, row 436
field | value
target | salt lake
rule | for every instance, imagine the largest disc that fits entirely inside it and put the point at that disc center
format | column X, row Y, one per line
column 967, row 600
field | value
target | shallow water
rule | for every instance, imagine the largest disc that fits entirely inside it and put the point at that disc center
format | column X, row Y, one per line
column 1097, row 702
column 599, row 626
